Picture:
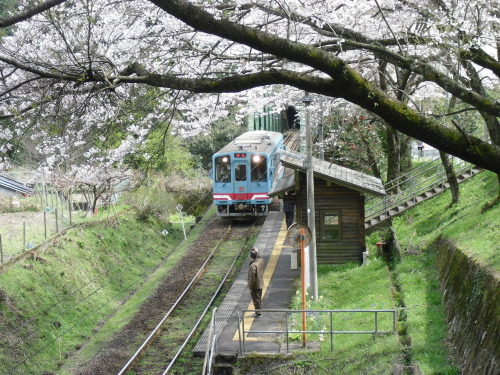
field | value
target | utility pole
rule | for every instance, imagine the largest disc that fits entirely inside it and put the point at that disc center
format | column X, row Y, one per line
column 320, row 132
column 311, row 210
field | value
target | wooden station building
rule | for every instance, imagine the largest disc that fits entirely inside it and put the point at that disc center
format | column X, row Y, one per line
column 339, row 196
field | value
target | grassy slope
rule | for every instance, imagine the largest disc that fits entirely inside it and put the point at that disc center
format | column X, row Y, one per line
column 474, row 232
column 85, row 279
column 354, row 287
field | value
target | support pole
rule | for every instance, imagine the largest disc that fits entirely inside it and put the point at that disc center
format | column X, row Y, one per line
column 311, row 210
column 303, row 278
column 70, row 210
column 57, row 221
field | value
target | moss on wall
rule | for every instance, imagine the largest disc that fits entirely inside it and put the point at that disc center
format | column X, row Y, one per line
column 472, row 301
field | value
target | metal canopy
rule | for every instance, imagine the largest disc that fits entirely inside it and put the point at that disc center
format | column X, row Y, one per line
column 331, row 172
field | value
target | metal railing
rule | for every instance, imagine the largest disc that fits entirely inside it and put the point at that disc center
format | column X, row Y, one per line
column 211, row 347
column 408, row 186
column 287, row 331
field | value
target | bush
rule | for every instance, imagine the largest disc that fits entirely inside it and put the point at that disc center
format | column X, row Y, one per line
column 151, row 201
column 194, row 193
column 9, row 204
column 160, row 199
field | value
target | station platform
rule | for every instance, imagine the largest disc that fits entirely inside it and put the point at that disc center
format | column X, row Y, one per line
column 277, row 293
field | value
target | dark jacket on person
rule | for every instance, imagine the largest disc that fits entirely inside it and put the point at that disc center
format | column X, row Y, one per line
column 256, row 274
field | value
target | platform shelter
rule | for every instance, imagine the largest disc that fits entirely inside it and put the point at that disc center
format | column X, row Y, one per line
column 339, row 196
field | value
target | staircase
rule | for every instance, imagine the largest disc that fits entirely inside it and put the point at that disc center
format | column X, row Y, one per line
column 412, row 188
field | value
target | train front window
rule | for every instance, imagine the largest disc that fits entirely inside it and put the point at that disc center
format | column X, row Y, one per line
column 223, row 169
column 259, row 168
column 240, row 172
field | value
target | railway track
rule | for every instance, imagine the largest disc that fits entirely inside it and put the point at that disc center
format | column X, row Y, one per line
column 159, row 353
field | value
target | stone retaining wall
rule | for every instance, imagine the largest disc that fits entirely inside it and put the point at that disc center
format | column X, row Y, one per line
column 471, row 297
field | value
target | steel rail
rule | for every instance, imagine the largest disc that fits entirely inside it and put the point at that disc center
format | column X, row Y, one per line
column 148, row 340
column 209, row 304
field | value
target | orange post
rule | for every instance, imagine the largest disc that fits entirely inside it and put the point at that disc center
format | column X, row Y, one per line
column 303, row 277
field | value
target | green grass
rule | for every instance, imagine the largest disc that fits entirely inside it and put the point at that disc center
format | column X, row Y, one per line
column 131, row 307
column 350, row 287
column 39, row 227
column 424, row 312
column 87, row 276
column 471, row 230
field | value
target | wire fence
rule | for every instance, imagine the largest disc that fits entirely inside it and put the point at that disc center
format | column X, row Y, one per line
column 32, row 220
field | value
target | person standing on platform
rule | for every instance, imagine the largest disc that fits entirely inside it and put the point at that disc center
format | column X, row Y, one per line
column 256, row 280
column 289, row 209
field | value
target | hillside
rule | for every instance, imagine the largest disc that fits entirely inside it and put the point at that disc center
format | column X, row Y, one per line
column 423, row 343
column 51, row 306
column 473, row 231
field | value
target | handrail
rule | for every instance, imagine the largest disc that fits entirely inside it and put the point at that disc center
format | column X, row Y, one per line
column 412, row 184
column 211, row 346
column 242, row 332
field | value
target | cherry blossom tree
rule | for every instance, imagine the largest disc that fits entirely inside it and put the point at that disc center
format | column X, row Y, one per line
column 70, row 66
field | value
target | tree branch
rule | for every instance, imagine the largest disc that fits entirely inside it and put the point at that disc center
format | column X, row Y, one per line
column 481, row 58
column 28, row 13
column 314, row 57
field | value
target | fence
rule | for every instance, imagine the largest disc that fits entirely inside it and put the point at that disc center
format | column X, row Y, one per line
column 288, row 331
column 23, row 230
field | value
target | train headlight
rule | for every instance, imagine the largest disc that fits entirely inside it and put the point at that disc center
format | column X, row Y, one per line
column 224, row 159
column 256, row 158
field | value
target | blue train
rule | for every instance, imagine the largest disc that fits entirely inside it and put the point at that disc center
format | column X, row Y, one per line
column 244, row 171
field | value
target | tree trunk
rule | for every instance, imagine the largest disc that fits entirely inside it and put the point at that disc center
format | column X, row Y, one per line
column 491, row 122
column 94, row 201
column 393, row 152
column 372, row 161
column 451, row 177
column 393, row 159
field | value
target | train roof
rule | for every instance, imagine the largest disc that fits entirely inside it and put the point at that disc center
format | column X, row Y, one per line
column 257, row 141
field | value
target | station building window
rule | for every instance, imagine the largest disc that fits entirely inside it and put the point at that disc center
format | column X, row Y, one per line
column 330, row 226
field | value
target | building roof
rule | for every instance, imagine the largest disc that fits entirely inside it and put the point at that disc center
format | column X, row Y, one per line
column 285, row 183
column 15, row 186
column 326, row 170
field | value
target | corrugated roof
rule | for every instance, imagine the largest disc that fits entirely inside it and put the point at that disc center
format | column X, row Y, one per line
column 284, row 184
column 15, row 186
column 329, row 171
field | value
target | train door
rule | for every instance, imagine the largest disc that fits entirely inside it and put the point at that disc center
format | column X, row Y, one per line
column 240, row 180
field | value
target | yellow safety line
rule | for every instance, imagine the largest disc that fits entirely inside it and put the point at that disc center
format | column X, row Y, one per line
column 268, row 273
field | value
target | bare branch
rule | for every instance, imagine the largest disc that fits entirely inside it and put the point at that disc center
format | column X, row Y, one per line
column 28, row 13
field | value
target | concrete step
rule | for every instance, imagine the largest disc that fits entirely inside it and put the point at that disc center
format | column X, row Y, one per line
column 419, row 198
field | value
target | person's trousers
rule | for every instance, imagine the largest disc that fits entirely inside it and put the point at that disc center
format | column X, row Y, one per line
column 256, row 298
column 289, row 219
